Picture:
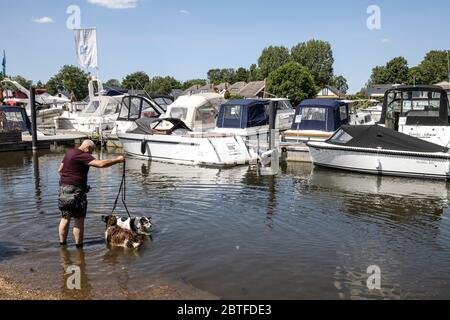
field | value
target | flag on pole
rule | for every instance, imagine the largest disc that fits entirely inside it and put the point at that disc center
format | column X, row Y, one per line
column 86, row 46
column 4, row 64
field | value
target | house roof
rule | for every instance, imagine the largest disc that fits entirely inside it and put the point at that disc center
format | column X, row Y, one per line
column 334, row 90
column 236, row 87
column 222, row 86
column 252, row 89
column 192, row 89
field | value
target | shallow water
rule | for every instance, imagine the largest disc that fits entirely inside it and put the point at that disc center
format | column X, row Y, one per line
column 304, row 234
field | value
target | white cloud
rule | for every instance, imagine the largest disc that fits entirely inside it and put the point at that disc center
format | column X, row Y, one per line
column 185, row 12
column 43, row 20
column 385, row 40
column 116, row 4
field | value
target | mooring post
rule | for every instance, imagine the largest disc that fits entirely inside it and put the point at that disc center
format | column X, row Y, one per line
column 272, row 120
column 34, row 143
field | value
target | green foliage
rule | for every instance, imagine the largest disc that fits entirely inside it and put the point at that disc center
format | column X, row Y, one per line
column 241, row 74
column 253, row 74
column 415, row 76
column 189, row 83
column 216, row 76
column 136, row 81
column 40, row 85
column 292, row 81
column 113, row 83
column 162, row 85
column 271, row 59
column 317, row 57
column 395, row 71
column 340, row 83
column 71, row 78
column 22, row 81
column 434, row 67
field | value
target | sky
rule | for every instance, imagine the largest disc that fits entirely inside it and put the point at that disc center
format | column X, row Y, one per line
column 185, row 39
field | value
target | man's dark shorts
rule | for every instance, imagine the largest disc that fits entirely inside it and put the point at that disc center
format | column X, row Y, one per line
column 72, row 202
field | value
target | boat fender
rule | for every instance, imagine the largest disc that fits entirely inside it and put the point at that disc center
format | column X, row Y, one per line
column 143, row 146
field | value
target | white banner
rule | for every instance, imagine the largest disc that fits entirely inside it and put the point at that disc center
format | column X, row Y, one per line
column 86, row 46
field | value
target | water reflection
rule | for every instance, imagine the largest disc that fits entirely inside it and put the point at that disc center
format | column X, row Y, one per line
column 78, row 260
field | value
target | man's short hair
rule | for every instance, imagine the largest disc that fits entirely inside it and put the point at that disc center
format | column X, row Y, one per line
column 88, row 144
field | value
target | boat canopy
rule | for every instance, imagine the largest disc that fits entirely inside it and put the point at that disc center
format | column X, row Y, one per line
column 14, row 119
column 421, row 105
column 378, row 137
column 135, row 107
column 320, row 114
column 164, row 126
column 243, row 113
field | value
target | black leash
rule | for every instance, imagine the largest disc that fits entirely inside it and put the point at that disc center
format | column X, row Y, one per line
column 122, row 190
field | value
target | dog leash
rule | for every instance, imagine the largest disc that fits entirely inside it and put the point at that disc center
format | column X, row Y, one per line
column 122, row 190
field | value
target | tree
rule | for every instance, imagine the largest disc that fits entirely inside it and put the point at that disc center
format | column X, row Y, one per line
column 340, row 83
column 40, row 84
column 397, row 70
column 317, row 57
column 379, row 76
column 216, row 76
column 71, row 78
column 162, row 85
column 113, row 83
column 292, row 81
column 434, row 67
column 22, row 81
column 415, row 76
column 136, row 81
column 242, row 74
column 253, row 73
column 271, row 59
column 189, row 83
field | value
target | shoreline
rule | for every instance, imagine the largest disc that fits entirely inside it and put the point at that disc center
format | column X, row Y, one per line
column 10, row 290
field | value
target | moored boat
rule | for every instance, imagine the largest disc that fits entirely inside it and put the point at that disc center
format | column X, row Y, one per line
column 378, row 150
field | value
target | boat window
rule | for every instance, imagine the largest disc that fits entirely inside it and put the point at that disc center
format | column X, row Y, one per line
column 124, row 109
column 148, row 111
column 111, row 108
column 92, row 107
column 205, row 115
column 135, row 108
column 316, row 114
column 343, row 112
column 283, row 105
column 341, row 137
column 178, row 113
column 14, row 121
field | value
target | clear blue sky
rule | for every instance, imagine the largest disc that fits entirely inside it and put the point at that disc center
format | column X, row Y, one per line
column 185, row 39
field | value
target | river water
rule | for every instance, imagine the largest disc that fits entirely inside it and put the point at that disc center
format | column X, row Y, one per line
column 306, row 233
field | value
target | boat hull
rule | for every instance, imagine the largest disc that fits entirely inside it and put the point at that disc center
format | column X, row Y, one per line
column 214, row 151
column 381, row 162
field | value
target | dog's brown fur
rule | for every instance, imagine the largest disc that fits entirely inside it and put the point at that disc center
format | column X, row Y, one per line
column 117, row 236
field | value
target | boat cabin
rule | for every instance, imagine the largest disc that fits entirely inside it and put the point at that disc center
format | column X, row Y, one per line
column 418, row 111
column 14, row 119
column 317, row 119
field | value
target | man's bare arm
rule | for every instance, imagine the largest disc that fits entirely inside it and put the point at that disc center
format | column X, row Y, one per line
column 106, row 163
column 61, row 166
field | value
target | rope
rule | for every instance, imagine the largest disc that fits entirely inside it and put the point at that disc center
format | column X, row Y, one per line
column 122, row 190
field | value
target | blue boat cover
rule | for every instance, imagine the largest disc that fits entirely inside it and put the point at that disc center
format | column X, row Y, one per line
column 243, row 113
column 16, row 119
column 321, row 114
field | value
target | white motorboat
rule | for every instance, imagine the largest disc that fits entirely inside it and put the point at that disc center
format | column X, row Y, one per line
column 98, row 116
column 378, row 150
column 249, row 119
column 170, row 140
column 418, row 111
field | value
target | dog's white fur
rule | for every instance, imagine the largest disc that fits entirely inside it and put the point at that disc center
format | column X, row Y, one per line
column 118, row 236
column 140, row 225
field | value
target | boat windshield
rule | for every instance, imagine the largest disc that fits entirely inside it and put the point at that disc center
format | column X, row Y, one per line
column 283, row 105
column 92, row 107
column 178, row 113
column 205, row 116
column 111, row 108
column 406, row 102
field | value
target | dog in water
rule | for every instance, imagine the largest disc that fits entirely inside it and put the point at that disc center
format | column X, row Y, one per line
column 120, row 237
column 140, row 225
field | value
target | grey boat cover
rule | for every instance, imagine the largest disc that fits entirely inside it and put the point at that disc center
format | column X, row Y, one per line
column 376, row 136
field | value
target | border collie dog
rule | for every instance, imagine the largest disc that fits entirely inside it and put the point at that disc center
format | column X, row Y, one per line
column 141, row 225
column 118, row 236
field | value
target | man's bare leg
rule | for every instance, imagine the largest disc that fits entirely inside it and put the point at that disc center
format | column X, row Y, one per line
column 78, row 231
column 63, row 230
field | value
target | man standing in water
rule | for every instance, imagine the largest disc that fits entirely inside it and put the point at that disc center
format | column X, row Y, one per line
column 73, row 188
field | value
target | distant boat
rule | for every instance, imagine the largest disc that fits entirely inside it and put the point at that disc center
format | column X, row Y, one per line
column 378, row 150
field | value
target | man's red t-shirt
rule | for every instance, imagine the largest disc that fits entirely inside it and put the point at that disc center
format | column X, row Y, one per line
column 75, row 168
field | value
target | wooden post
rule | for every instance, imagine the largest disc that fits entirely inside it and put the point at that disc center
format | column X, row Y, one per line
column 33, row 119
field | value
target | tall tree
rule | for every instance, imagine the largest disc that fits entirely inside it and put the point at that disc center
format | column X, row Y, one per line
column 189, row 83
column 340, row 83
column 113, row 83
column 271, row 59
column 71, row 78
column 379, row 75
column 396, row 71
column 137, row 81
column 253, row 74
column 415, row 76
column 317, row 57
column 292, row 81
column 22, row 81
column 434, row 67
column 242, row 74
column 162, row 85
